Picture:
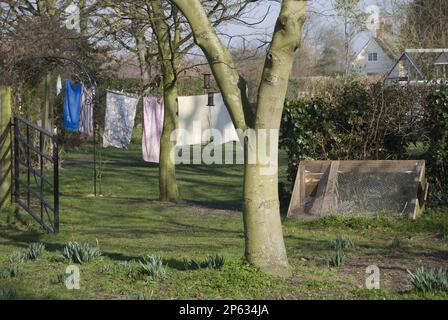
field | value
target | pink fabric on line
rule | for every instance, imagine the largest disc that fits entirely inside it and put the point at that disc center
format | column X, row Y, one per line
column 153, row 112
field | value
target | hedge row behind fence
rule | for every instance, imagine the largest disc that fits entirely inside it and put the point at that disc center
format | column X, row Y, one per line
column 361, row 121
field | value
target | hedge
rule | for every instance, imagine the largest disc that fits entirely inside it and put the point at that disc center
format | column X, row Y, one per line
column 359, row 121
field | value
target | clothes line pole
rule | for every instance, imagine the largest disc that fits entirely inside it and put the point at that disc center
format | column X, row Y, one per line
column 94, row 157
column 94, row 142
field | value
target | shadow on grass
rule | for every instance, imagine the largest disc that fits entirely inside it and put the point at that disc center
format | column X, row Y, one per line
column 180, row 265
column 222, row 205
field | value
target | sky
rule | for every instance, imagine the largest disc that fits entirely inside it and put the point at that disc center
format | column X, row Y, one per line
column 267, row 25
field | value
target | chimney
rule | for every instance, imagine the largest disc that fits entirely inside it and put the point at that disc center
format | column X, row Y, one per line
column 385, row 26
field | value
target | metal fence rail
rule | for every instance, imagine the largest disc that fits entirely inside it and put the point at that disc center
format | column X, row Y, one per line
column 30, row 157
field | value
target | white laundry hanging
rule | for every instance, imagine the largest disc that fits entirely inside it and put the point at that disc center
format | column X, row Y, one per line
column 59, row 86
column 196, row 118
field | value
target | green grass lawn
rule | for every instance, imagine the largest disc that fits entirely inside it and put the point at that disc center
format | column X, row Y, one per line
column 128, row 222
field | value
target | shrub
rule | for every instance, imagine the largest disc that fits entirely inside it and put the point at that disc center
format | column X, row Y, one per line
column 342, row 242
column 350, row 122
column 433, row 280
column 436, row 133
column 355, row 121
column 153, row 267
column 81, row 252
column 338, row 260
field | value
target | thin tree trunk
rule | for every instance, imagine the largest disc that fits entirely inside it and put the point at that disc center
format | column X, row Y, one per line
column 167, row 168
column 47, row 109
column 5, row 147
column 167, row 175
column 84, row 18
column 142, row 53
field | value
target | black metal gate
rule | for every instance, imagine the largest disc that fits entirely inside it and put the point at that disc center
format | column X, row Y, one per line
column 36, row 191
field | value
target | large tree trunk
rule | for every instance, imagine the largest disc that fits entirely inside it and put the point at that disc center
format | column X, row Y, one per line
column 265, row 246
column 263, row 228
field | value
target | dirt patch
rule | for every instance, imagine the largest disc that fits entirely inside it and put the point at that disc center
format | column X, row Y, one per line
column 393, row 268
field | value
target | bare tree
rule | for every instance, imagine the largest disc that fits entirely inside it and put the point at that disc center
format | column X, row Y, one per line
column 144, row 23
column 126, row 26
column 353, row 22
column 420, row 23
column 331, row 43
column 35, row 41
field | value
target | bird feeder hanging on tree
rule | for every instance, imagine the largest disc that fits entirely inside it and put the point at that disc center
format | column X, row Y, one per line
column 207, row 81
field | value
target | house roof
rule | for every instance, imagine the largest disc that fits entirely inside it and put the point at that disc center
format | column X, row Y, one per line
column 384, row 45
column 387, row 48
column 442, row 59
column 407, row 58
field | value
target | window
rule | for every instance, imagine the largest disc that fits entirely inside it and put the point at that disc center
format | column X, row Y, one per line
column 373, row 56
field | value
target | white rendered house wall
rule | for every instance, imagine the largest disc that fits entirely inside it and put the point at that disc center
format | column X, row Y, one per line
column 378, row 64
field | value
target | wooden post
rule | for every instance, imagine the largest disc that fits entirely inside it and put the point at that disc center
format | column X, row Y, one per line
column 329, row 201
column 5, row 146
column 421, row 191
column 47, row 110
column 325, row 203
column 298, row 192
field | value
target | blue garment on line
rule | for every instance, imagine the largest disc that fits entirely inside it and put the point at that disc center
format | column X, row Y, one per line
column 72, row 105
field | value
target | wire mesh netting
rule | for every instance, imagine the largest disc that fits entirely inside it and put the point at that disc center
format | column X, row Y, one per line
column 373, row 193
column 351, row 188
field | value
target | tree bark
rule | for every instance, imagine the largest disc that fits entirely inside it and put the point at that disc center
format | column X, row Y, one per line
column 231, row 84
column 167, row 168
column 47, row 108
column 5, row 147
column 84, row 18
column 142, row 53
column 263, row 230
column 264, row 245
